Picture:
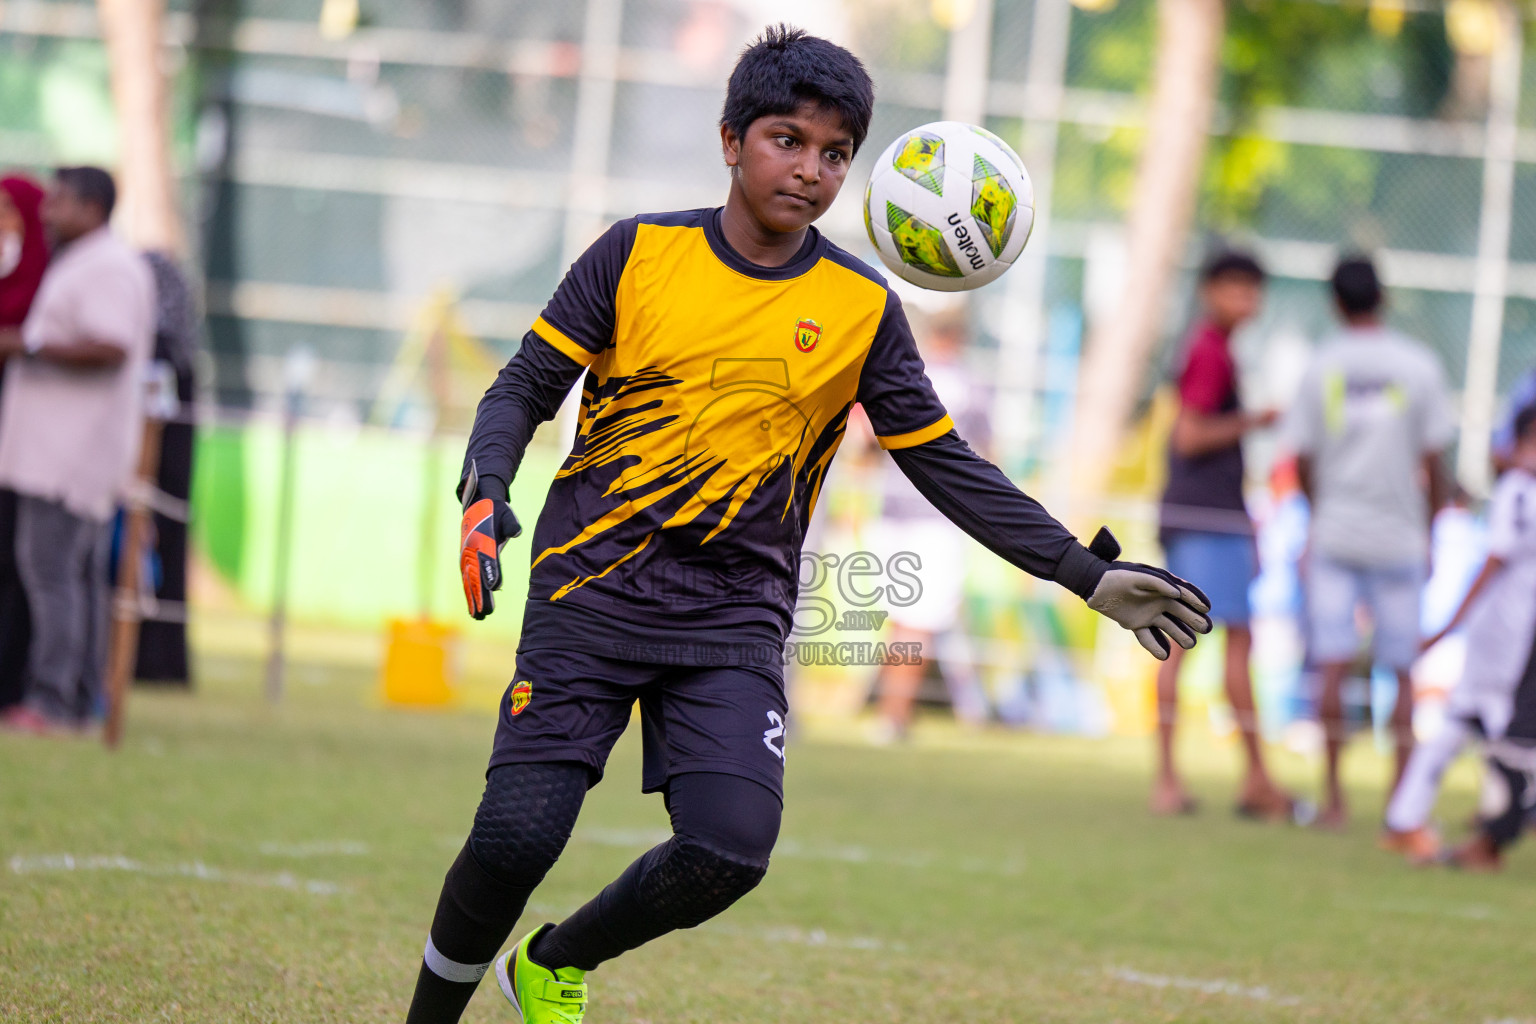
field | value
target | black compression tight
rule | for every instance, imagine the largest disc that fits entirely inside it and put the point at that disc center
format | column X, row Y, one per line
column 724, row 829
column 522, row 825
column 1508, row 782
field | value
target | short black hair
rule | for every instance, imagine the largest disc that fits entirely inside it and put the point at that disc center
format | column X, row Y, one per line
column 1356, row 286
column 90, row 185
column 1232, row 263
column 785, row 67
column 1525, row 423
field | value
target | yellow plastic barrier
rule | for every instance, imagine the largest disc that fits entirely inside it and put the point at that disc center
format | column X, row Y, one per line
column 420, row 664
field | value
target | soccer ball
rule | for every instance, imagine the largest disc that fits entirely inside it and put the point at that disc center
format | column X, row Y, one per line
column 949, row 206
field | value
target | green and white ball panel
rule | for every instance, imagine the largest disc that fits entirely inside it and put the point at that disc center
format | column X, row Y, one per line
column 949, row 206
column 1001, row 145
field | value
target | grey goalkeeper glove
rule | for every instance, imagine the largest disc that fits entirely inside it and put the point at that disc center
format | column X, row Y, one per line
column 1153, row 603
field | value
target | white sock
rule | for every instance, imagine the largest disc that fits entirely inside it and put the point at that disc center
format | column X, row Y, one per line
column 1415, row 795
column 452, row 970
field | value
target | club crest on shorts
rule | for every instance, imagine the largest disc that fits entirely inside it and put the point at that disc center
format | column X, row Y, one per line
column 807, row 334
column 522, row 693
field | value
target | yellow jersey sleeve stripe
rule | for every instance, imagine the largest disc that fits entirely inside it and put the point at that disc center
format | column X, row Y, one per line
column 916, row 437
column 562, row 341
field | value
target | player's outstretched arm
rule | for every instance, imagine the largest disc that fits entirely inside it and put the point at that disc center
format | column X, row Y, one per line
column 975, row 495
column 576, row 325
column 527, row 392
column 911, row 423
column 1491, row 568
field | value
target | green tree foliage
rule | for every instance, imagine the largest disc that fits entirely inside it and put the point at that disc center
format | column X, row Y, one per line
column 1278, row 53
column 900, row 34
column 1299, row 54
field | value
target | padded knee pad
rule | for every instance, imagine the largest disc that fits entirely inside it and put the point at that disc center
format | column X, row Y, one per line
column 688, row 883
column 525, row 819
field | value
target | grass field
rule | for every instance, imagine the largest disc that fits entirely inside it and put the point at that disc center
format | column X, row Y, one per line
column 238, row 863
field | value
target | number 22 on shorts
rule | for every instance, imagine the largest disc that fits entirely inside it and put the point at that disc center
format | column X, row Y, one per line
column 775, row 732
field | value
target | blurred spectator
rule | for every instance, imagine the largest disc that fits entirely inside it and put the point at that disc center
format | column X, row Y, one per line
column 163, row 638
column 23, row 258
column 23, row 247
column 910, row 524
column 1368, row 427
column 69, row 438
column 1500, row 615
column 1205, row 526
column 1502, row 444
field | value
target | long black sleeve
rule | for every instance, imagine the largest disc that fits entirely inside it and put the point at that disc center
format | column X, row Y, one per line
column 528, row 391
column 976, row 496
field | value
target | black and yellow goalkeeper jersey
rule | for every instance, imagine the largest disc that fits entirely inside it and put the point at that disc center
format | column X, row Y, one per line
column 716, row 394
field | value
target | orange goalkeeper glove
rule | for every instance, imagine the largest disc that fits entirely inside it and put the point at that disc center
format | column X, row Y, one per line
column 487, row 525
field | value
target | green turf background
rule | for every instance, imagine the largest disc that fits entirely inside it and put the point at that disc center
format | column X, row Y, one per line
column 360, row 508
column 967, row 877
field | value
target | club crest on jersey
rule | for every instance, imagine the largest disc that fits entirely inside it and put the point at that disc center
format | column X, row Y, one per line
column 807, row 334
column 522, row 693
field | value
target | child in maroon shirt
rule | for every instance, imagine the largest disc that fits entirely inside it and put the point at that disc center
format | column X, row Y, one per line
column 1205, row 526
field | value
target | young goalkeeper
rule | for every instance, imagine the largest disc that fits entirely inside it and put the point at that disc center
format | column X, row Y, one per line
column 723, row 350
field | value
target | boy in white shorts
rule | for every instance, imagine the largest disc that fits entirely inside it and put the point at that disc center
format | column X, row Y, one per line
column 1499, row 612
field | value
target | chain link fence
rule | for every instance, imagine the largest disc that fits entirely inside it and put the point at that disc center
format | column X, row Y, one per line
column 346, row 166
column 337, row 182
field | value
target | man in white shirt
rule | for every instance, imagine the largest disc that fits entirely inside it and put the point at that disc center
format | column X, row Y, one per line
column 70, row 425
column 1369, row 425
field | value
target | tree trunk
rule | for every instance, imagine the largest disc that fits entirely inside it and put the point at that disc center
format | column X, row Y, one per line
column 149, row 216
column 149, row 219
column 1163, row 205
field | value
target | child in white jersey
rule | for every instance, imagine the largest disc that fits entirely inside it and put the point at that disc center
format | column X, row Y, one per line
column 1499, row 612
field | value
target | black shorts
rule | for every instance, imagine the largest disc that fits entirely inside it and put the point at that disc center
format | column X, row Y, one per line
column 566, row 705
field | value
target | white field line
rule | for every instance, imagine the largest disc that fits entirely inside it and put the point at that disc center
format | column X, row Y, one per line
column 196, row 869
column 779, row 934
column 1208, row 986
column 1466, row 911
column 839, row 854
column 802, row 937
column 315, row 848
column 640, row 838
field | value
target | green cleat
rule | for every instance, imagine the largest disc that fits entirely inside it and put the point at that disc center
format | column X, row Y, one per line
column 540, row 995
